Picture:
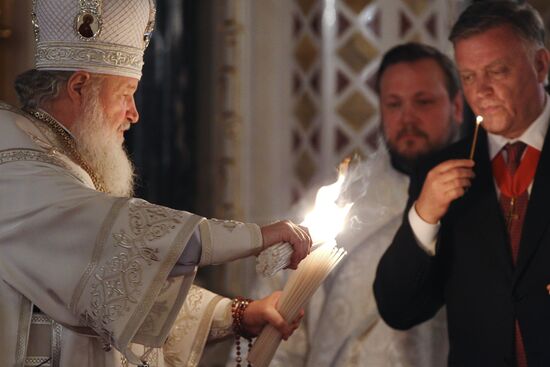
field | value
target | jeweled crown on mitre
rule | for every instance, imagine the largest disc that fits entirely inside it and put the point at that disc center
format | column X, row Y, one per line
column 99, row 36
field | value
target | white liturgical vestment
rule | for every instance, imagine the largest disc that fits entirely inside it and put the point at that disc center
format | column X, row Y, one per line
column 342, row 326
column 84, row 276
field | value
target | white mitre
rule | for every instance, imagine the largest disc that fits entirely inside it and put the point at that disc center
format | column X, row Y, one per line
column 99, row 36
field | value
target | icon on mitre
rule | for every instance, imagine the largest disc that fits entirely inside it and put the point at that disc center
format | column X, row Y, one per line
column 87, row 25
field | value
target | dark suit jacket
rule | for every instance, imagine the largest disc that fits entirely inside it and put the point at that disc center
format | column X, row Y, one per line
column 472, row 272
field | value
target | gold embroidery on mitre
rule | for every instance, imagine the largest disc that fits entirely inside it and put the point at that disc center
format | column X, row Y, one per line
column 150, row 24
column 34, row 22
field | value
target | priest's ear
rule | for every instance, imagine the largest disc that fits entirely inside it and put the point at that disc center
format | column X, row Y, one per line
column 77, row 86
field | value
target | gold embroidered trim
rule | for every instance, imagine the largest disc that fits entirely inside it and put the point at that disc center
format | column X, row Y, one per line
column 190, row 312
column 156, row 285
column 158, row 309
column 117, row 284
column 53, row 360
column 25, row 315
column 8, row 107
column 256, row 239
column 48, row 156
column 40, row 319
column 206, row 243
column 34, row 21
column 56, row 344
column 38, row 361
column 151, row 356
column 150, row 24
column 202, row 333
column 100, row 243
column 161, row 334
column 52, row 54
column 226, row 328
column 16, row 155
column 230, row 225
column 68, row 142
column 180, row 300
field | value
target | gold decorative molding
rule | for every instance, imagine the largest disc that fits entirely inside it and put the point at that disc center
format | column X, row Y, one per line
column 229, row 120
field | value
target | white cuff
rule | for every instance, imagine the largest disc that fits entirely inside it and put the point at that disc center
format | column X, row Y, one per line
column 425, row 233
column 227, row 240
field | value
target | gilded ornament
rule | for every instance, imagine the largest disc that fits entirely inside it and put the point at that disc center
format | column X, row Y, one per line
column 88, row 25
column 88, row 21
column 150, row 25
column 34, row 21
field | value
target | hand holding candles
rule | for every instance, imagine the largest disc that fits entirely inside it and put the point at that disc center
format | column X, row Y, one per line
column 324, row 222
column 479, row 120
column 301, row 285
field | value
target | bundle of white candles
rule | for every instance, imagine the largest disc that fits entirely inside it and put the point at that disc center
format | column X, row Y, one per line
column 301, row 285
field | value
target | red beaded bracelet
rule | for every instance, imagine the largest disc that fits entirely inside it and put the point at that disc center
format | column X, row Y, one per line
column 238, row 306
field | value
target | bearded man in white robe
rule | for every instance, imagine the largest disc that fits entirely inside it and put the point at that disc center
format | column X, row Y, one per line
column 421, row 110
column 90, row 276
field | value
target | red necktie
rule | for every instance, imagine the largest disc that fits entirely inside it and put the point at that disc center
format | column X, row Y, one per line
column 513, row 181
column 512, row 202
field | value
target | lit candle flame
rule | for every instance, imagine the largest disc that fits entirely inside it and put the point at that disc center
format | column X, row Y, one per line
column 479, row 120
column 327, row 219
column 324, row 222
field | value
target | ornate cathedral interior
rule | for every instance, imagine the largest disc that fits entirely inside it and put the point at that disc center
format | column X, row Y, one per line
column 247, row 107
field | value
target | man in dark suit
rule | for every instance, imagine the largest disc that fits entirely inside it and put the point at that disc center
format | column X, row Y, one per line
column 475, row 237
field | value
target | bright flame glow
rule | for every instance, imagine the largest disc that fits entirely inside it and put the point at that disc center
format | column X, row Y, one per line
column 327, row 219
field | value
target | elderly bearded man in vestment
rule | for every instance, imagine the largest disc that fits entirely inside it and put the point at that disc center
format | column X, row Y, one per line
column 421, row 110
column 89, row 275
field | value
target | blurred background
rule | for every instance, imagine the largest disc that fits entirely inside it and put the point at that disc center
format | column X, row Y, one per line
column 247, row 105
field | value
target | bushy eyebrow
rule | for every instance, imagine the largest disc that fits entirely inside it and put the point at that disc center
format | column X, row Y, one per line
column 127, row 87
column 490, row 65
column 425, row 93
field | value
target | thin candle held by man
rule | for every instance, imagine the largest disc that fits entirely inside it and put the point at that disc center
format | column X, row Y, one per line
column 479, row 120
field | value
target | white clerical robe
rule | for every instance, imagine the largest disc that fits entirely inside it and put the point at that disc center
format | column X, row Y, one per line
column 97, row 266
column 342, row 326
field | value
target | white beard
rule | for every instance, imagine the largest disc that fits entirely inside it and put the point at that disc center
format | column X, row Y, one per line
column 99, row 146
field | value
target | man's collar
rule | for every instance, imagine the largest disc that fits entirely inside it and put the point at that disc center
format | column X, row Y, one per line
column 532, row 136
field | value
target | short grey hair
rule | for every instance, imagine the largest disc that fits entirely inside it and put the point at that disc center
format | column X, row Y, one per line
column 35, row 87
column 481, row 16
